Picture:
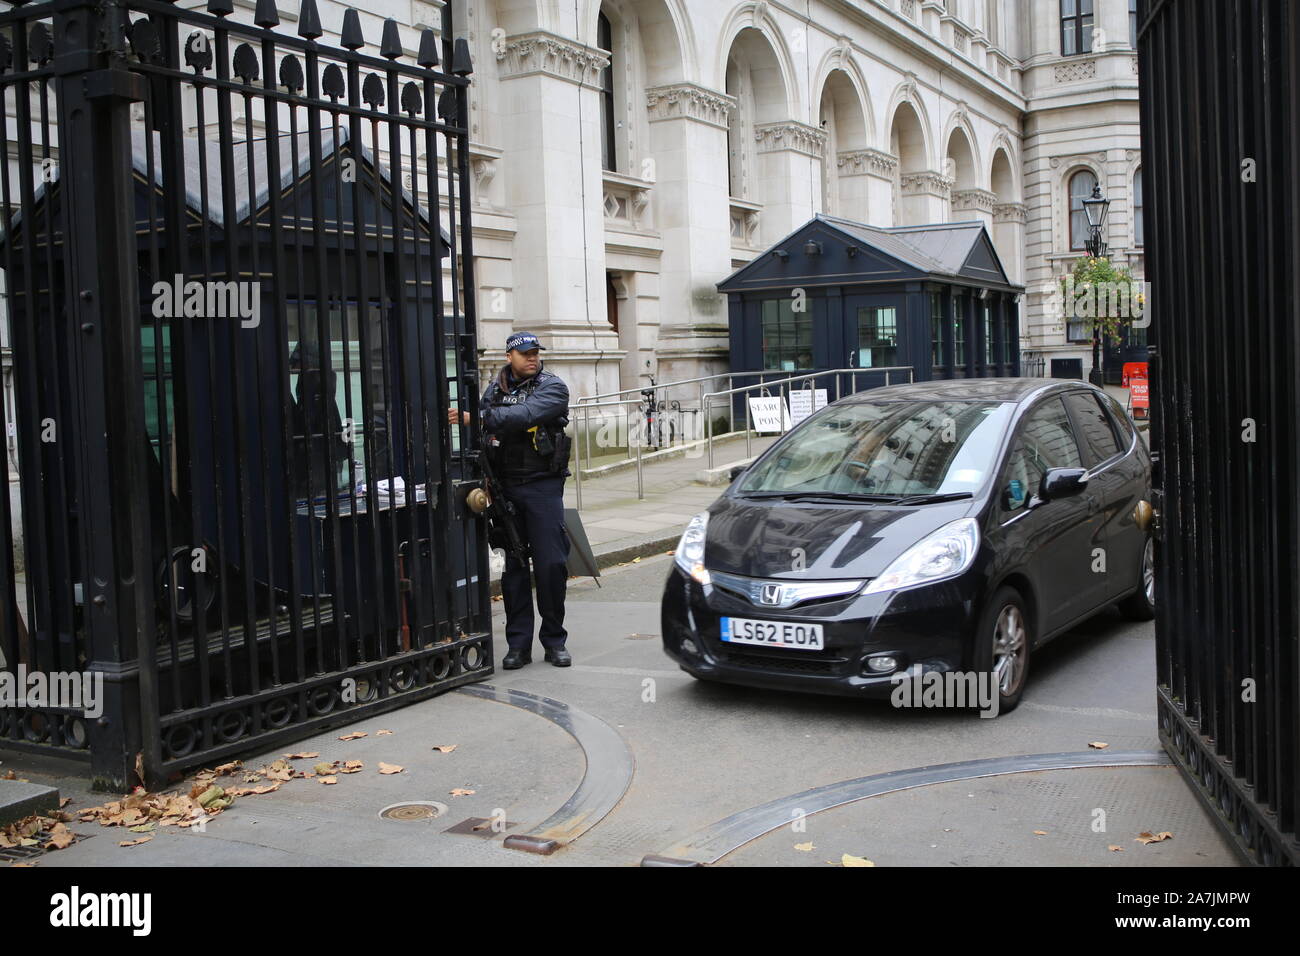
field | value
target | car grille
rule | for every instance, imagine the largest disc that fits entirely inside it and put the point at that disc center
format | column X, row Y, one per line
column 802, row 665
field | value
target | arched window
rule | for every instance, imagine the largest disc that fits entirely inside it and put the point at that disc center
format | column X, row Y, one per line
column 605, row 40
column 1081, row 184
column 1138, row 239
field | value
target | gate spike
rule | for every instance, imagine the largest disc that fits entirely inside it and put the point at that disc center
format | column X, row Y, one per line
column 428, row 55
column 266, row 15
column 390, row 47
column 461, row 64
column 351, row 36
column 221, row 8
column 309, row 20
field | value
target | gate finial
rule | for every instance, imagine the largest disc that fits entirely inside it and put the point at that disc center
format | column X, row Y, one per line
column 266, row 15
column 351, row 37
column 428, row 55
column 461, row 63
column 309, row 20
column 390, row 46
column 221, row 8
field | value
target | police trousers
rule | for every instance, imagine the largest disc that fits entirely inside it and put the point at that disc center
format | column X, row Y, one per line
column 539, row 510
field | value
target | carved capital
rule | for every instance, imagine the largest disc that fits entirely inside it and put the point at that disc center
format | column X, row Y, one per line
column 866, row 162
column 542, row 52
column 689, row 101
column 791, row 135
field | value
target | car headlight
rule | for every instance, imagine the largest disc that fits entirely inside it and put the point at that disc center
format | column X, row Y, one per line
column 690, row 550
column 944, row 553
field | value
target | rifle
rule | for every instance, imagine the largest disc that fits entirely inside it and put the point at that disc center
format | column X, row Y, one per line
column 501, row 514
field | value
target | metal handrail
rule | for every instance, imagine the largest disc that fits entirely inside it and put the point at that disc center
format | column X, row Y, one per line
column 707, row 398
column 644, row 388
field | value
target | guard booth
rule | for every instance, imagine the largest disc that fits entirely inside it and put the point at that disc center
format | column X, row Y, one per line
column 840, row 294
column 235, row 300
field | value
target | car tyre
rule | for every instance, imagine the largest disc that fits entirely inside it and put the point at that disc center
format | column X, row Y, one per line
column 1003, row 639
column 1141, row 604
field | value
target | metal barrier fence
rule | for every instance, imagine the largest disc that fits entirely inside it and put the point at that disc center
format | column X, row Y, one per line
column 234, row 354
column 1220, row 143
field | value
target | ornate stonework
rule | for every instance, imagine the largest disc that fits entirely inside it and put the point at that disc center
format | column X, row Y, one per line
column 543, row 52
column 927, row 182
column 1009, row 212
column 863, row 162
column 1076, row 70
column 791, row 135
column 690, row 101
column 980, row 200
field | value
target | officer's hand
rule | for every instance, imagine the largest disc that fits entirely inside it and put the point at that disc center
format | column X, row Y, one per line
column 456, row 417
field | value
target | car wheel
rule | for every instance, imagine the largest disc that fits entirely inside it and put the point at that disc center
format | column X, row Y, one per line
column 1002, row 647
column 1141, row 604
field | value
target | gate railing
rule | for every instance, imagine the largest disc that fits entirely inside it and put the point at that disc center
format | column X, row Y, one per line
column 225, row 248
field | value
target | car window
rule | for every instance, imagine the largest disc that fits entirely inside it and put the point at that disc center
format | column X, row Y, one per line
column 1119, row 418
column 1097, row 438
column 1045, row 440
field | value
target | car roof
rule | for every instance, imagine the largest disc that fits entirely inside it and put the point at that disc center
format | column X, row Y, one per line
column 963, row 389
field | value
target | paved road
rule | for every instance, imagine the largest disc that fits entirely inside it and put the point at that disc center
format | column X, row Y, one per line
column 705, row 751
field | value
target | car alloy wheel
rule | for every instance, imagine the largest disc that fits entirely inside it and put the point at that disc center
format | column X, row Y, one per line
column 1010, row 649
column 1149, row 571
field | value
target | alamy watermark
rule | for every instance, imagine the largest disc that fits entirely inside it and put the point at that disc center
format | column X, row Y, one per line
column 958, row 689
column 210, row 299
column 70, row 690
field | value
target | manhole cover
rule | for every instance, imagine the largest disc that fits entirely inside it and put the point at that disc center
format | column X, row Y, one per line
column 413, row 810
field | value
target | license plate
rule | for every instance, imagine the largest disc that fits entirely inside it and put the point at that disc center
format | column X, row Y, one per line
column 793, row 634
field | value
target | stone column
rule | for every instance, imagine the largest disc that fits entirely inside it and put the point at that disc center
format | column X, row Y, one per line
column 866, row 185
column 789, row 158
column 688, row 142
column 925, row 197
column 1009, row 238
column 551, row 120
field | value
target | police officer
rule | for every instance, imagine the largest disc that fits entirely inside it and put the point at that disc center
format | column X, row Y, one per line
column 523, row 414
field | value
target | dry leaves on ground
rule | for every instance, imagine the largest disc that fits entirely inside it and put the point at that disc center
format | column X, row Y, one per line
column 302, row 756
column 460, row 792
column 355, row 735
column 1115, row 848
column 1098, row 745
column 381, row 733
column 351, row 766
column 848, row 859
column 1145, row 837
column 144, row 839
column 445, row 748
column 1040, row 833
column 390, row 768
column 805, row 847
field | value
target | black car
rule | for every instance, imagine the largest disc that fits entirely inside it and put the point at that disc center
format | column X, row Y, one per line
column 934, row 527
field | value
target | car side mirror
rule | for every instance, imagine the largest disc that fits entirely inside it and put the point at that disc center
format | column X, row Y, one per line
column 1062, row 483
column 738, row 471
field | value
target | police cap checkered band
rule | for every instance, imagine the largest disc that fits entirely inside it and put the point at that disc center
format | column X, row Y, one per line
column 523, row 341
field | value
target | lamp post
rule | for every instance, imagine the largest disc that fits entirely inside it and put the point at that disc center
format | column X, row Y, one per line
column 1094, row 207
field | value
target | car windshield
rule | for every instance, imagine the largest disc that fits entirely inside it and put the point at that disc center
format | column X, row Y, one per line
column 894, row 449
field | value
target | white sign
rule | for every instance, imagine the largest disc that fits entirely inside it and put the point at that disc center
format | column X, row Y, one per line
column 768, row 414
column 805, row 401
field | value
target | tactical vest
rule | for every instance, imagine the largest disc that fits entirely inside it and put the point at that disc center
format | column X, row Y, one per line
column 527, row 454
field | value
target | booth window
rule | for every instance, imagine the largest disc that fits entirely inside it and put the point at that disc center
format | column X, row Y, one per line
column 151, row 356
column 1007, row 329
column 877, row 337
column 988, row 332
column 936, row 329
column 959, row 332
column 330, row 402
column 787, row 336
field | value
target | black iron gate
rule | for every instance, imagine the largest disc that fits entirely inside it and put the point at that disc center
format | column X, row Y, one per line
column 1220, row 120
column 235, row 262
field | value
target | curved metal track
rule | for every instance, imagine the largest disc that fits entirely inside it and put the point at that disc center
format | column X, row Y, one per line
column 609, row 769
column 714, row 842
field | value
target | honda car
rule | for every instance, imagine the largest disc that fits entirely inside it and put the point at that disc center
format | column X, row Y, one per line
column 950, row 526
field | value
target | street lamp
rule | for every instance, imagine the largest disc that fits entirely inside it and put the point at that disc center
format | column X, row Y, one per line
column 1094, row 207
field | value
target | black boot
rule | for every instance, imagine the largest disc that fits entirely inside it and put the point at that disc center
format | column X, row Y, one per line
column 559, row 656
column 517, row 657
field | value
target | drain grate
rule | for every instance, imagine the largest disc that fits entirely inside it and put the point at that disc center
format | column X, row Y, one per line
column 413, row 810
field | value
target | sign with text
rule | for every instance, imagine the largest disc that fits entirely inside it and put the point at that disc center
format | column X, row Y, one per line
column 805, row 401
column 1139, row 397
column 768, row 414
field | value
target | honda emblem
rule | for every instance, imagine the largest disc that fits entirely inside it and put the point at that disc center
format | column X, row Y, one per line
column 771, row 594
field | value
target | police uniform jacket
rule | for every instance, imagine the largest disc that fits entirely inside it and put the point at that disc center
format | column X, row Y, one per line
column 512, row 416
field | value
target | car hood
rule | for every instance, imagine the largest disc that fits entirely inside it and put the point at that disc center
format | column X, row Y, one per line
column 760, row 538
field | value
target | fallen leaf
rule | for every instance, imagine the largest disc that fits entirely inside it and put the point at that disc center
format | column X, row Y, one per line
column 226, row 768
column 445, row 748
column 849, row 859
column 1145, row 837
column 390, row 768
column 1115, row 848
column 635, row 560
column 355, row 735
column 351, row 766
column 143, row 839
column 804, row 847
column 1040, row 833
column 64, row 801
column 61, row 837
column 1098, row 745
column 380, row 733
column 303, row 756
column 143, row 828
column 460, row 792
column 329, row 780
column 139, row 766
column 325, row 768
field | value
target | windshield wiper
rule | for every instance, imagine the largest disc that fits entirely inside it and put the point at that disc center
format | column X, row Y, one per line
column 933, row 498
column 823, row 496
